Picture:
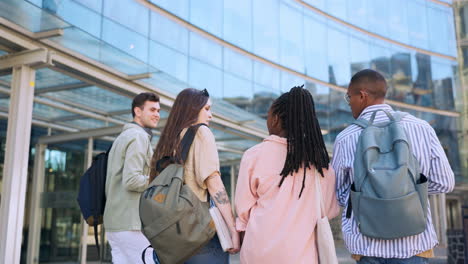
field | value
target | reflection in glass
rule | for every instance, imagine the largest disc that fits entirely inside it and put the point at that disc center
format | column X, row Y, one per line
column 205, row 76
column 291, row 44
column 211, row 21
column 266, row 29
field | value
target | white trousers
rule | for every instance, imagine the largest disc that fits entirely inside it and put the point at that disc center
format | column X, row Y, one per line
column 127, row 247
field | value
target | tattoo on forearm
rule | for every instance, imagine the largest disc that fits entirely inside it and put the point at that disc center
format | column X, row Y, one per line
column 221, row 197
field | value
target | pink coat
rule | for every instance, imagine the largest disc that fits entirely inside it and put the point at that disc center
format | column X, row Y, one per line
column 279, row 227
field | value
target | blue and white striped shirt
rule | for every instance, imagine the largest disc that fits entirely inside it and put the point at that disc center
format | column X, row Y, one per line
column 432, row 162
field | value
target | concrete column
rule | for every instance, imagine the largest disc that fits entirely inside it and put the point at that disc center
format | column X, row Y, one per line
column 16, row 164
column 34, row 237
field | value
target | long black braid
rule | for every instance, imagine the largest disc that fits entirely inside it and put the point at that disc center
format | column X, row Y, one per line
column 306, row 147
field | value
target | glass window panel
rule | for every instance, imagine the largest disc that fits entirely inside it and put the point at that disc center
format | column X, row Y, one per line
column 87, row 123
column 417, row 24
column 463, row 13
column 422, row 80
column 205, row 50
column 360, row 55
column 359, row 13
column 401, row 75
column 47, row 112
column 179, row 7
column 438, row 23
column 237, row 64
column 266, row 29
column 126, row 40
column 288, row 81
column 46, row 77
column 266, row 75
column 169, row 33
column 452, row 40
column 443, row 85
column 338, row 56
column 212, row 20
column 95, row 97
column 380, row 58
column 36, row 2
column 169, row 61
column 398, row 20
column 237, row 23
column 204, row 76
column 29, row 16
column 235, row 87
column 315, row 41
column 81, row 16
column 95, row 5
column 378, row 16
column 128, row 13
column 291, row 41
column 84, row 43
column 337, row 8
column 317, row 3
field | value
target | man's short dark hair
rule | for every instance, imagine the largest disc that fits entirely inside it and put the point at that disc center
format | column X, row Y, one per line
column 140, row 100
column 378, row 84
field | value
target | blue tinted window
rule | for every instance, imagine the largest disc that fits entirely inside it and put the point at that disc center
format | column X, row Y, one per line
column 417, row 24
column 202, row 75
column 237, row 64
column 208, row 15
column 315, row 42
column 238, row 23
column 380, row 58
column 291, row 41
column 320, row 4
column 124, row 39
column 288, row 81
column 337, row 8
column 95, row 5
column 237, row 87
column 81, row 16
column 169, row 33
column 266, row 76
column 438, row 21
column 360, row 53
column 266, row 29
column 128, row 13
column 169, row 61
column 443, row 85
column 358, row 13
column 205, row 50
column 378, row 16
column 398, row 20
column 338, row 56
column 179, row 7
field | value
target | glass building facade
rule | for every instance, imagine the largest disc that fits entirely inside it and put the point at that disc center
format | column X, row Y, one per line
column 244, row 52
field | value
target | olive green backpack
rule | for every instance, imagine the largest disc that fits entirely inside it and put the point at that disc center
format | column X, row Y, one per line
column 174, row 220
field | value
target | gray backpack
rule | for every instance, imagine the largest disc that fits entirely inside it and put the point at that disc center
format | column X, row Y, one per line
column 174, row 220
column 388, row 195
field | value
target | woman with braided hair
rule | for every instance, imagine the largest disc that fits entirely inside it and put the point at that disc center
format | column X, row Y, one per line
column 276, row 198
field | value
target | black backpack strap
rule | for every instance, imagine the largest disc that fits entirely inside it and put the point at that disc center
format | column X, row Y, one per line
column 187, row 140
column 143, row 254
column 95, row 224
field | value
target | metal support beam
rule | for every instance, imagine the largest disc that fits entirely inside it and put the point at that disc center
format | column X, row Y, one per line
column 48, row 33
column 443, row 219
column 16, row 164
column 100, row 132
column 135, row 77
column 34, row 236
column 31, row 58
column 62, row 87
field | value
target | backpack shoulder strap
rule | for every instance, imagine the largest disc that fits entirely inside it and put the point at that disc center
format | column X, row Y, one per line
column 399, row 115
column 187, row 140
column 361, row 122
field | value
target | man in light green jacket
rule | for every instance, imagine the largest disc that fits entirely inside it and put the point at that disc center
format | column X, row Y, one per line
column 128, row 171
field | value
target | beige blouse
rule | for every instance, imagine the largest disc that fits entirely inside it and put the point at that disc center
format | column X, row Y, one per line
column 202, row 161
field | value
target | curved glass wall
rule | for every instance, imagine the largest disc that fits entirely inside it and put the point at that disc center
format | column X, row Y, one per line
column 286, row 34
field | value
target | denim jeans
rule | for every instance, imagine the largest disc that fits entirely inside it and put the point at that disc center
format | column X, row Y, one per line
column 374, row 260
column 212, row 253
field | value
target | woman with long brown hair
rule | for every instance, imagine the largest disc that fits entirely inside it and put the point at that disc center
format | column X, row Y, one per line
column 201, row 167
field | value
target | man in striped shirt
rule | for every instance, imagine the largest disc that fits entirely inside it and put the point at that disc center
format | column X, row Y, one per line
column 365, row 94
